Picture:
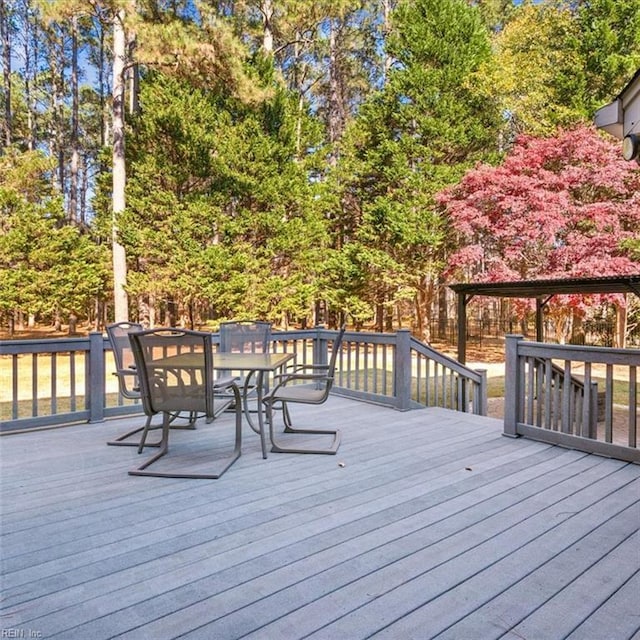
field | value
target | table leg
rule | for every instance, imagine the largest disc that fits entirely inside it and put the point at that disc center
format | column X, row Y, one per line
column 260, row 410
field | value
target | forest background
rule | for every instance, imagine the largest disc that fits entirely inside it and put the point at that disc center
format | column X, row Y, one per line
column 310, row 161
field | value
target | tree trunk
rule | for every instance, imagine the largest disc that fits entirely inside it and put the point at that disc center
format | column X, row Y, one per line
column 6, row 77
column 56, row 145
column 171, row 313
column 121, row 303
column 621, row 324
column 31, row 46
column 266, row 8
column 152, row 311
column 388, row 317
column 133, row 77
column 75, row 153
column 83, row 190
column 104, row 124
column 379, row 321
column 336, row 115
column 386, row 29
column 443, row 313
column 73, row 323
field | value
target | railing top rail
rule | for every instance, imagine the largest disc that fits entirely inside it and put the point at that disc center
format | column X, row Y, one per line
column 604, row 355
column 349, row 336
column 445, row 360
column 44, row 345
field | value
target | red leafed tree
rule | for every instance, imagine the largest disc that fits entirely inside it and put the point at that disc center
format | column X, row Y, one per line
column 562, row 206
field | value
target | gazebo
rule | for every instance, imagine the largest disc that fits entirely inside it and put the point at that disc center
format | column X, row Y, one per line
column 541, row 290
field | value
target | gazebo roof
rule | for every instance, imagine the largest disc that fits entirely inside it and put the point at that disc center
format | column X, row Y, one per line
column 545, row 288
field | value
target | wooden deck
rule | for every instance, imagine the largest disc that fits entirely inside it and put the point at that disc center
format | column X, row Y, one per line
column 427, row 524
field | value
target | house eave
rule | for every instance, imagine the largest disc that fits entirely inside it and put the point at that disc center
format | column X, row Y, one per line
column 610, row 118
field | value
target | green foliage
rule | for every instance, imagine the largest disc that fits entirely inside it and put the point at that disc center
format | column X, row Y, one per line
column 560, row 60
column 409, row 140
column 610, row 44
column 248, row 199
column 540, row 76
column 218, row 214
column 46, row 267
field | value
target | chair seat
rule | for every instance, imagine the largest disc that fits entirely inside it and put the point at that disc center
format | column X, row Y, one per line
column 300, row 393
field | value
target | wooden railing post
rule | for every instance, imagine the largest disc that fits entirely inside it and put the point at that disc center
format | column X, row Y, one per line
column 320, row 346
column 402, row 370
column 593, row 410
column 96, row 377
column 483, row 405
column 512, row 384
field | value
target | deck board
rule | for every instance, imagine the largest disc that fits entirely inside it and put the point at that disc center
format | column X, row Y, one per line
column 432, row 525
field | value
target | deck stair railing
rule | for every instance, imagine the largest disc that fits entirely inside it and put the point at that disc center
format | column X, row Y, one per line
column 61, row 381
column 596, row 412
column 547, row 384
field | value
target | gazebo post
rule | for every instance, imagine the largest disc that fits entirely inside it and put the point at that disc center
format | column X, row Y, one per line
column 539, row 320
column 462, row 326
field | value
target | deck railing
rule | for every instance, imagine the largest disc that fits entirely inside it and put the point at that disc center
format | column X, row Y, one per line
column 61, row 381
column 585, row 398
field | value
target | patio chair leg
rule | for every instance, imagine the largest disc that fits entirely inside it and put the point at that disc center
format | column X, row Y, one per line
column 123, row 440
column 277, row 447
column 164, row 448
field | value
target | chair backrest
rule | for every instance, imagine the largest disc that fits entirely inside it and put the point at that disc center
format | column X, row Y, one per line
column 118, row 333
column 175, row 368
column 335, row 349
column 245, row 336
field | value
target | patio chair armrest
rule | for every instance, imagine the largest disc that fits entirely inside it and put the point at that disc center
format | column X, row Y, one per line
column 295, row 377
column 131, row 371
column 298, row 369
column 226, row 382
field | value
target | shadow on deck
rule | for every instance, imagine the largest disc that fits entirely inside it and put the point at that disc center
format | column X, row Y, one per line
column 426, row 524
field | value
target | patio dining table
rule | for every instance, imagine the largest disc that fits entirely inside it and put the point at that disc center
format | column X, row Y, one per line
column 251, row 363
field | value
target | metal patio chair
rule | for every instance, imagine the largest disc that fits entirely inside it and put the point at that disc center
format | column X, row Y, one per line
column 305, row 384
column 175, row 371
column 118, row 333
column 246, row 336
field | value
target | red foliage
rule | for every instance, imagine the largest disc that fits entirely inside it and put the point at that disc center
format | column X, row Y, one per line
column 557, row 207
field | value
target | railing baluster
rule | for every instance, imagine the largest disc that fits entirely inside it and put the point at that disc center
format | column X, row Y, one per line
column 14, row 386
column 608, row 404
column 548, row 385
column 539, row 386
column 365, row 367
column 72, row 381
column 53, row 364
column 633, row 407
column 374, row 368
column 34, row 383
column 530, row 389
column 567, row 398
column 586, row 404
